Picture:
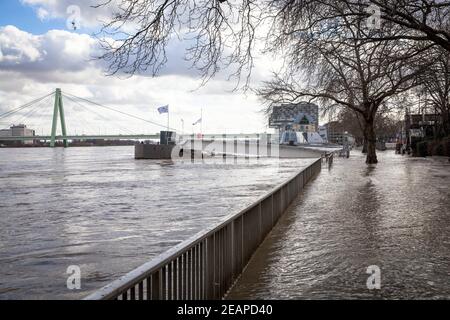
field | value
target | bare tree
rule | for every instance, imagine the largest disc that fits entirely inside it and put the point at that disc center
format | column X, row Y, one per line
column 424, row 20
column 387, row 123
column 420, row 20
column 222, row 33
column 332, row 63
column 348, row 62
column 218, row 34
column 347, row 120
column 435, row 85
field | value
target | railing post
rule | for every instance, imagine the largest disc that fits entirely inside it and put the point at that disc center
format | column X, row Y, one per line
column 180, row 278
column 257, row 146
column 272, row 205
column 169, row 281
column 247, row 148
column 210, row 282
column 216, row 266
column 235, row 148
column 184, row 277
column 133, row 293
column 197, row 272
column 189, row 276
column 224, row 146
column 260, row 225
column 175, row 280
column 156, row 286
column 141, row 290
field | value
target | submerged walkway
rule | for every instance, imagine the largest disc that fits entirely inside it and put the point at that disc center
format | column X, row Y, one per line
column 395, row 215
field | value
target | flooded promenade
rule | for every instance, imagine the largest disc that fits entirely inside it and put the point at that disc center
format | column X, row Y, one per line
column 394, row 215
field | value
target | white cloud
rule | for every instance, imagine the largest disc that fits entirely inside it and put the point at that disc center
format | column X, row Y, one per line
column 90, row 17
column 17, row 47
column 42, row 14
column 55, row 50
column 32, row 65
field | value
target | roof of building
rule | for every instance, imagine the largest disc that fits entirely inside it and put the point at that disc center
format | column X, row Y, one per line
column 294, row 113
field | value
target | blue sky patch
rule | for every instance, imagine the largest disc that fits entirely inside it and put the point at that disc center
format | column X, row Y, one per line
column 24, row 17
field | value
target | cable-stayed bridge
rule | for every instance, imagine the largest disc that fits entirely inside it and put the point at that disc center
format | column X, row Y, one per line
column 52, row 108
column 87, row 120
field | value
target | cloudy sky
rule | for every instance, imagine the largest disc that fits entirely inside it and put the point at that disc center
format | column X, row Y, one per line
column 39, row 52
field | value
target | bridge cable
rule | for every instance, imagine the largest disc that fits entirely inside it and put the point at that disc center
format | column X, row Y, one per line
column 20, row 118
column 11, row 112
column 32, row 111
column 98, row 114
column 118, row 111
column 86, row 125
column 38, row 121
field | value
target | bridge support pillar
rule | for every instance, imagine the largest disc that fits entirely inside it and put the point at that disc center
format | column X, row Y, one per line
column 58, row 110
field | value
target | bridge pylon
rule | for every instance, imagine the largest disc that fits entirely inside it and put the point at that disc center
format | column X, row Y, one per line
column 58, row 110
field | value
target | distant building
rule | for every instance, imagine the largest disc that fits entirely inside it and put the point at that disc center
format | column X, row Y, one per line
column 300, row 117
column 20, row 130
column 5, row 133
column 419, row 127
column 335, row 133
column 323, row 132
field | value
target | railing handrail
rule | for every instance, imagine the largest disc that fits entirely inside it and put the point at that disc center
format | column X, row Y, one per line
column 140, row 273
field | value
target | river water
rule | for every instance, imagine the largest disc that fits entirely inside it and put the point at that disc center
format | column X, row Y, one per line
column 393, row 217
column 101, row 210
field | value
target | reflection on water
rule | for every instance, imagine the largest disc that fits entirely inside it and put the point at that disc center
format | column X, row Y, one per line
column 395, row 215
column 100, row 209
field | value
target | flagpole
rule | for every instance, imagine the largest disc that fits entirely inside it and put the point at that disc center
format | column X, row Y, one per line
column 201, row 122
column 168, row 124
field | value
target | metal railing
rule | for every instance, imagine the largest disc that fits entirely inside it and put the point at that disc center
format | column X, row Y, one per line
column 207, row 265
column 328, row 158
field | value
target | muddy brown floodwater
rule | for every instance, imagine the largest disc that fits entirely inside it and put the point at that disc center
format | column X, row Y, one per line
column 101, row 210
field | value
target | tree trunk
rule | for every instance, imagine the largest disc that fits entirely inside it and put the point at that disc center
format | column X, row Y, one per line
column 364, row 149
column 371, row 142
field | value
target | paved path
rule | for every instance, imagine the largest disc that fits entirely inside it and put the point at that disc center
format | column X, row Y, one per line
column 395, row 215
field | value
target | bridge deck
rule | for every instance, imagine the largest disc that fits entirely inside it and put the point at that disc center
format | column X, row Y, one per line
column 121, row 137
column 86, row 137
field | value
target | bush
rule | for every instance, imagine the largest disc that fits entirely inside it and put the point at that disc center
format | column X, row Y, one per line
column 439, row 150
column 431, row 147
column 422, row 147
column 446, row 144
column 442, row 148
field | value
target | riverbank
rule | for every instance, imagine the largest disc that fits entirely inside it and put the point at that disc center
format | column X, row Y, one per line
column 106, row 143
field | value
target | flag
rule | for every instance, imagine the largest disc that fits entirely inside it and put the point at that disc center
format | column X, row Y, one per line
column 197, row 122
column 164, row 109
